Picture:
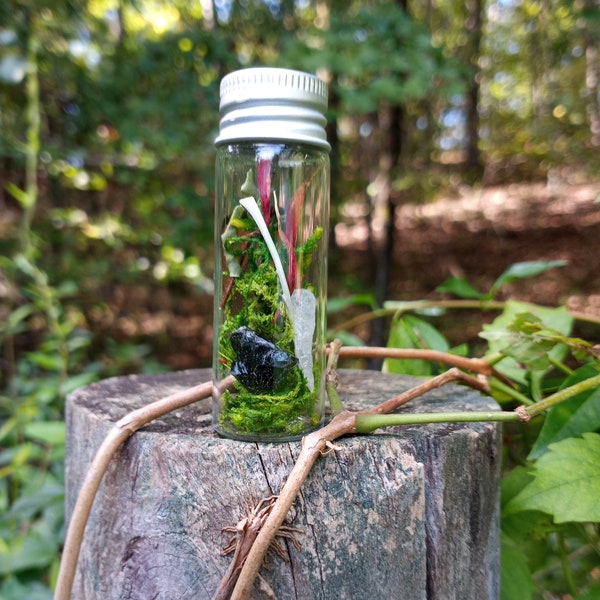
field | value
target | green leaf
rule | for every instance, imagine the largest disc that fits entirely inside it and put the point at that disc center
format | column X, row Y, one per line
column 28, row 506
column 49, row 432
column 524, row 270
column 566, row 482
column 77, row 381
column 460, row 287
column 524, row 348
column 593, row 594
column 409, row 331
column 32, row 551
column 13, row 589
column 18, row 194
column 348, row 339
column 47, row 361
column 14, row 322
column 521, row 525
column 515, row 578
column 67, row 289
column 513, row 482
column 342, row 302
column 572, row 418
column 518, row 346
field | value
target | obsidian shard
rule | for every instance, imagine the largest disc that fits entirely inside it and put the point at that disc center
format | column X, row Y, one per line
column 260, row 365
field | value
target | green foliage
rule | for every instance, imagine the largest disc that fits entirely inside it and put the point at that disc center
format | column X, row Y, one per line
column 566, row 482
column 408, row 331
column 515, row 579
column 460, row 287
column 525, row 338
column 551, row 486
column 572, row 418
column 378, row 54
column 287, row 411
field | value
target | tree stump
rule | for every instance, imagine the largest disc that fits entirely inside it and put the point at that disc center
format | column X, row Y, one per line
column 410, row 513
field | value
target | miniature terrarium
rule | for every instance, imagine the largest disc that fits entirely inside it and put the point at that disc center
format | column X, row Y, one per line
column 272, row 211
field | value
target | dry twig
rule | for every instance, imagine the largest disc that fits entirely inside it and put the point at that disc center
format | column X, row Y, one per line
column 474, row 365
column 121, row 432
column 244, row 535
column 314, row 445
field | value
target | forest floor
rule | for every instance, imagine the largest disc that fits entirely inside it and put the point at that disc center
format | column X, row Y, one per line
column 479, row 233
column 476, row 234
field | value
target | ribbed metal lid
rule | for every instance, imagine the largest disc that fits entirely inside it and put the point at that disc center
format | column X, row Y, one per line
column 267, row 104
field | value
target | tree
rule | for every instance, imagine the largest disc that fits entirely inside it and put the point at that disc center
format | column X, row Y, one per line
column 590, row 25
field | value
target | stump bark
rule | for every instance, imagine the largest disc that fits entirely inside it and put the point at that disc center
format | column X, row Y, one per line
column 410, row 513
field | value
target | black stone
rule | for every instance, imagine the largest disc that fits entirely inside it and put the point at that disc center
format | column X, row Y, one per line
column 260, row 365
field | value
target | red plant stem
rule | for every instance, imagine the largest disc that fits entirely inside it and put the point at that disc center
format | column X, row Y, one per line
column 290, row 237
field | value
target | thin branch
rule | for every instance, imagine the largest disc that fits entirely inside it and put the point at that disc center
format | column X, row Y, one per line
column 475, row 365
column 367, row 423
column 246, row 531
column 332, row 379
column 315, row 445
column 562, row 395
column 394, row 307
column 120, row 432
column 513, row 393
column 453, row 374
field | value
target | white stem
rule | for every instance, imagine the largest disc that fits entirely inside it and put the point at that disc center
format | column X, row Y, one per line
column 251, row 206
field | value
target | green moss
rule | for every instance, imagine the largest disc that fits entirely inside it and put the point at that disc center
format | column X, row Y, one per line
column 254, row 301
column 305, row 253
column 290, row 412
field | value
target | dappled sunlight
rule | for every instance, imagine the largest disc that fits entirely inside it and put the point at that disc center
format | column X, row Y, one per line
column 516, row 206
column 352, row 234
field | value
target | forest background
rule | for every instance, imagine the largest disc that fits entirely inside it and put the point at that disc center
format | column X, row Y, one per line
column 464, row 137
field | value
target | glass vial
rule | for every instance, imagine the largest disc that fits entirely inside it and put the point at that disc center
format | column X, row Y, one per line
column 271, row 230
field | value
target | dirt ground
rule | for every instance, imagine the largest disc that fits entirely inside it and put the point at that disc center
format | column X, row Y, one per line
column 480, row 233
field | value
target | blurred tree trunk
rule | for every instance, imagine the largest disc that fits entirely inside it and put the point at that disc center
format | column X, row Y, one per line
column 208, row 14
column 540, row 63
column 592, row 76
column 334, row 157
column 592, row 73
column 383, row 252
column 474, row 22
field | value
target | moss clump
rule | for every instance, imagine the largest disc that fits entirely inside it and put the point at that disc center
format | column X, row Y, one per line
column 290, row 412
column 254, row 301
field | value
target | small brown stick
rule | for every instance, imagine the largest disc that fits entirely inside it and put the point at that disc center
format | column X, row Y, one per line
column 245, row 533
column 121, row 431
column 315, row 445
column 475, row 365
column 453, row 374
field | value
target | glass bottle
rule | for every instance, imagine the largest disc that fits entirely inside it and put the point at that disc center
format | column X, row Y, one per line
column 271, row 231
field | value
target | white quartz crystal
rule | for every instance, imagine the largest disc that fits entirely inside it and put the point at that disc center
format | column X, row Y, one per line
column 305, row 310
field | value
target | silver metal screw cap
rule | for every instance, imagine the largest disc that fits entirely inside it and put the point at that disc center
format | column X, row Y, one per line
column 268, row 104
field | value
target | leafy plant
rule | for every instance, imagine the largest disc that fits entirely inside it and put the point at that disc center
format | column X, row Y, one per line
column 551, row 486
column 550, row 519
